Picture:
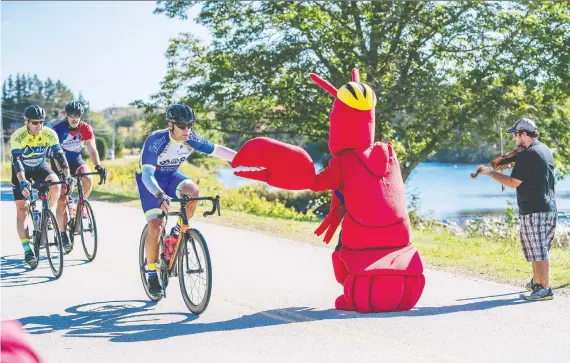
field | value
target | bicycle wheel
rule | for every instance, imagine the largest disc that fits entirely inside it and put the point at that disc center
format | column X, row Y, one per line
column 52, row 243
column 88, row 230
column 143, row 267
column 195, row 271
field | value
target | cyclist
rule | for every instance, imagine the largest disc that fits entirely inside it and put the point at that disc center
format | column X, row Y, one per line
column 29, row 146
column 72, row 134
column 158, row 178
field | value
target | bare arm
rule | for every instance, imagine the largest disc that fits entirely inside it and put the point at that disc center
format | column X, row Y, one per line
column 506, row 180
column 21, row 176
column 92, row 150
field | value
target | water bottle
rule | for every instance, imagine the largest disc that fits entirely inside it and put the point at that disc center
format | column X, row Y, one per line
column 36, row 216
column 170, row 242
column 72, row 207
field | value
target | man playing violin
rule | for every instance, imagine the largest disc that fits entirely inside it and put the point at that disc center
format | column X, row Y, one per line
column 533, row 178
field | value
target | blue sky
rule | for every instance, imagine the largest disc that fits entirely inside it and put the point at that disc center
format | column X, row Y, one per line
column 113, row 52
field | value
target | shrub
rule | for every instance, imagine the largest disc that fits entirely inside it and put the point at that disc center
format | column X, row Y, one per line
column 102, row 147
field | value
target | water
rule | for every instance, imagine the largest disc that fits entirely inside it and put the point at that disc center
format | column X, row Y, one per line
column 446, row 191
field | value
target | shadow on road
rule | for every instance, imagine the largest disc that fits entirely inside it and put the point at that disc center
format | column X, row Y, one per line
column 135, row 320
column 14, row 270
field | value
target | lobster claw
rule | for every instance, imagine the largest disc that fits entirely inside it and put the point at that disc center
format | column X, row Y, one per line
column 278, row 164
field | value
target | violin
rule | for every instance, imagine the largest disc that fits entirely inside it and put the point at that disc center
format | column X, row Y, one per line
column 503, row 162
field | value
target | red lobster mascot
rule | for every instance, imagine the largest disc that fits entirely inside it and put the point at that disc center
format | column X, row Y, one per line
column 375, row 262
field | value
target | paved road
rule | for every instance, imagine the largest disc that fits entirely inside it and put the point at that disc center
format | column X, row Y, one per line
column 272, row 302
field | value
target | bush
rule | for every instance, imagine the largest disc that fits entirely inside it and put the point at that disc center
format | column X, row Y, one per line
column 119, row 146
column 317, row 203
column 102, row 147
column 256, row 200
column 253, row 200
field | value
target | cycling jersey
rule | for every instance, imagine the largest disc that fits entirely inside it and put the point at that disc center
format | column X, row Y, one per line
column 157, row 170
column 166, row 155
column 72, row 140
column 33, row 149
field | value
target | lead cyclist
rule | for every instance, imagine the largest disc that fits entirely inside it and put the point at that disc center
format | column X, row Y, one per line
column 159, row 180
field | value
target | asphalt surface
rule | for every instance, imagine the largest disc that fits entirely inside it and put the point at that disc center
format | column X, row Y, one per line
column 272, row 301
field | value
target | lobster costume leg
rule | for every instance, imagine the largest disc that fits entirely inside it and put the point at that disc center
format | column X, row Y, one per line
column 339, row 268
column 381, row 293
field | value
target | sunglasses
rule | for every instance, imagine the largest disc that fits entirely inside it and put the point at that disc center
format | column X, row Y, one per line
column 183, row 126
column 36, row 123
column 74, row 116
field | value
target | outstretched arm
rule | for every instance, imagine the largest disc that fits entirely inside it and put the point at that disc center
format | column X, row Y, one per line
column 505, row 180
column 329, row 178
column 224, row 153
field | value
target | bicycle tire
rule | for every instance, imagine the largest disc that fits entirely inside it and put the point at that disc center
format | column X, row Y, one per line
column 194, row 238
column 47, row 216
column 142, row 265
column 91, row 216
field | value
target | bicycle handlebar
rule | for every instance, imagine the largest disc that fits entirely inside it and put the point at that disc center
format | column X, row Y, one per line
column 42, row 186
column 185, row 200
column 101, row 180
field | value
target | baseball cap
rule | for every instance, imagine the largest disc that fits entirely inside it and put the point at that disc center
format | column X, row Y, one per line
column 524, row 124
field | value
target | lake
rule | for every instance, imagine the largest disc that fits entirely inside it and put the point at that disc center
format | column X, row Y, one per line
column 446, row 191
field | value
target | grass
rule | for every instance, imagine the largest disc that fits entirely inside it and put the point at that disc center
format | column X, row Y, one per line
column 484, row 258
column 477, row 257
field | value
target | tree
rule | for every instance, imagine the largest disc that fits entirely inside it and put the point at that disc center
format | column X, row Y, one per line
column 443, row 71
column 102, row 147
column 27, row 90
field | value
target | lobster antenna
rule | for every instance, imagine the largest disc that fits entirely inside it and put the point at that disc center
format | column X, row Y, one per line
column 323, row 84
column 355, row 75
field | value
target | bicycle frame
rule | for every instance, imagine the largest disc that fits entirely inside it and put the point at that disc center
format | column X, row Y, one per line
column 43, row 189
column 73, row 221
column 184, row 225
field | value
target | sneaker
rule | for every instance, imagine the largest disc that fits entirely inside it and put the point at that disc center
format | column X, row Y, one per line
column 154, row 287
column 67, row 245
column 31, row 260
column 530, row 285
column 539, row 293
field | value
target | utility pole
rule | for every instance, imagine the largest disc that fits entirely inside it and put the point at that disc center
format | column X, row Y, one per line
column 113, row 137
column 88, row 104
column 2, row 138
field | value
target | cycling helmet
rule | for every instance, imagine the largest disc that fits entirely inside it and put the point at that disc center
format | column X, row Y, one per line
column 34, row 112
column 74, row 108
column 180, row 114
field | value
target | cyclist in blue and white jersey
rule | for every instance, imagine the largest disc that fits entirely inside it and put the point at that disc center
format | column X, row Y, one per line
column 159, row 180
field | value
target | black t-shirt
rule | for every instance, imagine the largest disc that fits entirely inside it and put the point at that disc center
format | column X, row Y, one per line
column 535, row 168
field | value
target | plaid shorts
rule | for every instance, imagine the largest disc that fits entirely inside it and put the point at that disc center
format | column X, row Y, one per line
column 537, row 233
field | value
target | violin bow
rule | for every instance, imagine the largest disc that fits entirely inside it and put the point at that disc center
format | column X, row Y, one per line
column 502, row 146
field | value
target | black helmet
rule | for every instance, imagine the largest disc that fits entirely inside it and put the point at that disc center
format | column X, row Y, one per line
column 74, row 108
column 181, row 114
column 34, row 112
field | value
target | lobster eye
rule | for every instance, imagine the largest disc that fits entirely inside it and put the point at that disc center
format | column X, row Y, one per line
column 357, row 95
